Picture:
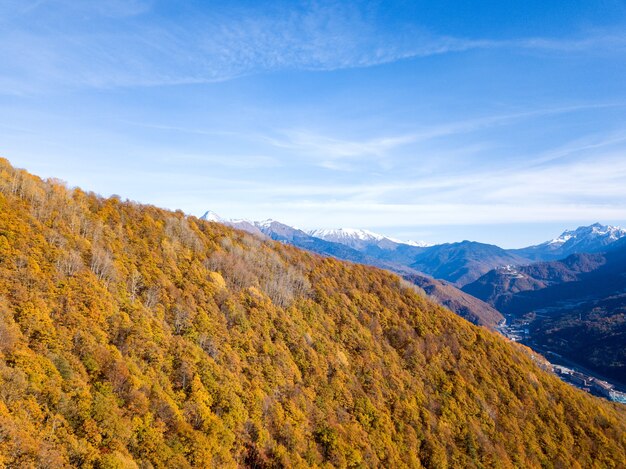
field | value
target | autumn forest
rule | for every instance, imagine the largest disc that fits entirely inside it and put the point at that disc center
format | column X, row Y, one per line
column 134, row 337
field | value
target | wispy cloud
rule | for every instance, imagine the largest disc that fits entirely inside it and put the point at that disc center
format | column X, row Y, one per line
column 334, row 153
column 340, row 153
column 235, row 161
column 592, row 188
column 594, row 178
column 598, row 41
column 583, row 145
column 221, row 45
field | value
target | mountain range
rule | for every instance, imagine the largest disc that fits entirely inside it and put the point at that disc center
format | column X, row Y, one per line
column 585, row 239
column 363, row 239
column 460, row 263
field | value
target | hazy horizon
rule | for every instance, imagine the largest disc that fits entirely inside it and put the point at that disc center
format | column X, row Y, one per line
column 497, row 234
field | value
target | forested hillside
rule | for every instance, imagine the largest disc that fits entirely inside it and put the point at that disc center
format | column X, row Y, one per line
column 131, row 336
column 465, row 305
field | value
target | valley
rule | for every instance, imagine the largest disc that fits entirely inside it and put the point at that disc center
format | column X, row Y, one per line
column 518, row 330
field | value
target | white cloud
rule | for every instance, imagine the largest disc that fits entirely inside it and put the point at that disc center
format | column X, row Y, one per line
column 589, row 189
column 343, row 154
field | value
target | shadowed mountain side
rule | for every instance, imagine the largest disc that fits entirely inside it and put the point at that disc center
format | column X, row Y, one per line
column 592, row 333
column 462, row 263
column 577, row 306
column 499, row 285
column 463, row 304
column 580, row 277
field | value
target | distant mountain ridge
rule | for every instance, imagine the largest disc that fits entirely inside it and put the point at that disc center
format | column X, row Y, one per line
column 460, row 263
column 498, row 286
column 361, row 239
column 464, row 262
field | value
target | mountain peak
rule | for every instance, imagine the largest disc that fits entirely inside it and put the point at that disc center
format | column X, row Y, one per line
column 210, row 215
column 346, row 233
column 265, row 223
column 360, row 238
column 584, row 239
column 596, row 231
column 415, row 244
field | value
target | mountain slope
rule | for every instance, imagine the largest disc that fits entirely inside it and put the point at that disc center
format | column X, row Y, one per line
column 468, row 307
column 137, row 337
column 472, row 309
column 497, row 286
column 584, row 239
column 458, row 263
column 590, row 333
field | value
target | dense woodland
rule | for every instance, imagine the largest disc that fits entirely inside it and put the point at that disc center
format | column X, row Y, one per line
column 131, row 336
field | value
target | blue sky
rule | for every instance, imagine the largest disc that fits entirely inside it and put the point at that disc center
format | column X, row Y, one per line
column 499, row 121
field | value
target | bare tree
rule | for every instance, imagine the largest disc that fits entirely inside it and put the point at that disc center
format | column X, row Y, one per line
column 135, row 283
column 102, row 265
column 152, row 297
column 70, row 263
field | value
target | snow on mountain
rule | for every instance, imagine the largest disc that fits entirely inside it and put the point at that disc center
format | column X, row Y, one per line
column 265, row 223
column 239, row 223
column 355, row 238
column 415, row 244
column 584, row 239
column 361, row 239
column 565, row 237
column 336, row 235
column 212, row 216
column 604, row 234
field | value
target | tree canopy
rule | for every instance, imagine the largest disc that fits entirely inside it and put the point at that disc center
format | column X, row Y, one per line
column 132, row 336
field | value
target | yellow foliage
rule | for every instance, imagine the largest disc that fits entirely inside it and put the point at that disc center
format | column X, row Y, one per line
column 136, row 337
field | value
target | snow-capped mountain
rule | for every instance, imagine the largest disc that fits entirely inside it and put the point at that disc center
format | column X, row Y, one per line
column 361, row 239
column 589, row 239
column 596, row 233
column 415, row 244
column 212, row 216
column 355, row 238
